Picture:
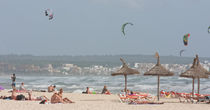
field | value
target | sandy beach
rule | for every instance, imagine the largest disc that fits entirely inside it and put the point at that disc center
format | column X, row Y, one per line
column 94, row 102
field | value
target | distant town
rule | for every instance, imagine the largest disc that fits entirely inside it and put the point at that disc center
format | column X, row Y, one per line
column 87, row 65
column 72, row 69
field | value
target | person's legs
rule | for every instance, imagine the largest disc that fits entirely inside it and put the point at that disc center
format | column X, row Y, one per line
column 67, row 100
column 13, row 85
column 29, row 95
column 56, row 99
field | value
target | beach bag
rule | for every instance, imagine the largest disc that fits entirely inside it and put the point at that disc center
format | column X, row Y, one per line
column 43, row 102
column 20, row 97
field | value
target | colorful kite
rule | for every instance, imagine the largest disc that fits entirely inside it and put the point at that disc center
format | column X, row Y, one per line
column 185, row 39
column 49, row 13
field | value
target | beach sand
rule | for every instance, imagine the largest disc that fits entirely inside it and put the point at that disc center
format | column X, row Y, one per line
column 94, row 102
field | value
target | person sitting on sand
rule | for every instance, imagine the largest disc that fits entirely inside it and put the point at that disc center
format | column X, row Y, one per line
column 57, row 98
column 22, row 88
column 51, row 88
column 66, row 100
column 87, row 91
column 105, row 90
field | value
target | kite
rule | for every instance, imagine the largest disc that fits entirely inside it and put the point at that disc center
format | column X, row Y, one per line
column 49, row 13
column 181, row 51
column 185, row 39
column 123, row 27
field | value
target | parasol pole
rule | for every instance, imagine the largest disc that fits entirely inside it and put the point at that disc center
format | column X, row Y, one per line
column 198, row 85
column 158, row 88
column 193, row 87
column 125, row 83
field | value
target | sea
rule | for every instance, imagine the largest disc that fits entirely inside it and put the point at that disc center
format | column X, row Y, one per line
column 140, row 83
column 78, row 84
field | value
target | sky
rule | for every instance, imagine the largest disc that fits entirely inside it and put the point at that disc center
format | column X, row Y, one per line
column 93, row 27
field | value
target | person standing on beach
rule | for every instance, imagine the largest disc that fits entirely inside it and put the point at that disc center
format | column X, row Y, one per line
column 13, row 77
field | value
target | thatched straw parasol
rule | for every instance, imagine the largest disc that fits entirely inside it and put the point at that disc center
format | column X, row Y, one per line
column 196, row 71
column 125, row 70
column 201, row 70
column 158, row 70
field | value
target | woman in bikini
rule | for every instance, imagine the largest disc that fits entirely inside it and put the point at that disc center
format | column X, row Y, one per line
column 57, row 98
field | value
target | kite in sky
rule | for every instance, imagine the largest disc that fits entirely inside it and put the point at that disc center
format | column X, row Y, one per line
column 185, row 39
column 123, row 27
column 49, row 13
column 181, row 51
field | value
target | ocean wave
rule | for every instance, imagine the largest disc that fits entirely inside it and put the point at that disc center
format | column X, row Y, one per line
column 77, row 91
column 114, row 84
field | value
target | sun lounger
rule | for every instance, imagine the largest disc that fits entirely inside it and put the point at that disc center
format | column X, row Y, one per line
column 205, row 99
column 144, row 102
column 170, row 94
column 135, row 97
column 197, row 98
column 183, row 97
column 123, row 98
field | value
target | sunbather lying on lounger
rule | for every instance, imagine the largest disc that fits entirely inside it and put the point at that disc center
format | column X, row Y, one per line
column 144, row 102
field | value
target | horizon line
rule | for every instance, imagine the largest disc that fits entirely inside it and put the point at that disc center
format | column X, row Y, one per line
column 97, row 55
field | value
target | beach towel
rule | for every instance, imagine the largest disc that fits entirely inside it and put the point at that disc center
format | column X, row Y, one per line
column 7, row 98
column 1, row 88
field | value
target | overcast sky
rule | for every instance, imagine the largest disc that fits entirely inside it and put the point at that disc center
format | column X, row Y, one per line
column 93, row 27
